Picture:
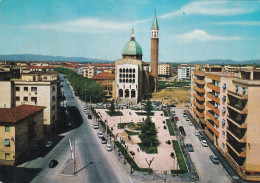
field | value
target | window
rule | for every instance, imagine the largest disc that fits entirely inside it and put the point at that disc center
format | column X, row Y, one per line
column 236, row 89
column 53, row 107
column 223, row 122
column 7, row 128
column 53, row 98
column 44, row 77
column 7, row 156
column 7, row 143
column 25, row 99
column 17, row 98
column 223, row 145
column 25, row 89
column 17, row 88
column 34, row 89
column 34, row 99
column 120, row 80
column 120, row 70
column 53, row 88
column 224, row 134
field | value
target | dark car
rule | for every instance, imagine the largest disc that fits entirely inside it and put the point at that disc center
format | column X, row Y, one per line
column 190, row 147
column 182, row 130
column 53, row 163
column 214, row 159
column 89, row 116
column 201, row 138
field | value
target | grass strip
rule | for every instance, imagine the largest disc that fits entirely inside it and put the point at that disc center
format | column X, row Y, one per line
column 116, row 113
column 148, row 149
column 171, row 131
column 165, row 113
column 181, row 161
column 144, row 113
column 131, row 133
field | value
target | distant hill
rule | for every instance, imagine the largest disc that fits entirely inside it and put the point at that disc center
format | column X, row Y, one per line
column 31, row 57
column 219, row 62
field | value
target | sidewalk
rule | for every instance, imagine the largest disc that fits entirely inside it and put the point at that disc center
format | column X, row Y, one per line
column 68, row 169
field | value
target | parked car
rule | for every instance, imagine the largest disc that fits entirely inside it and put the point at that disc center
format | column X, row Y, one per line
column 201, row 137
column 214, row 159
column 48, row 144
column 184, row 115
column 204, row 143
column 100, row 134
column 109, row 147
column 95, row 126
column 69, row 123
column 103, row 140
column 196, row 133
column 182, row 130
column 84, row 107
column 164, row 107
column 190, row 147
column 190, row 123
column 53, row 163
column 108, row 106
column 176, row 118
column 99, row 104
column 135, row 107
column 89, row 116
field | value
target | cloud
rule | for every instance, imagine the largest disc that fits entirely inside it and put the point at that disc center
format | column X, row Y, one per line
column 213, row 8
column 202, row 35
column 243, row 23
column 87, row 24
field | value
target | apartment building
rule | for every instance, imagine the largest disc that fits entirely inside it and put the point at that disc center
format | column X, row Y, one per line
column 184, row 71
column 106, row 79
column 34, row 88
column 89, row 72
column 226, row 105
column 20, row 127
column 165, row 70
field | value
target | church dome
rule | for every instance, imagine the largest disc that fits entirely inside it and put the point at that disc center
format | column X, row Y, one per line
column 132, row 47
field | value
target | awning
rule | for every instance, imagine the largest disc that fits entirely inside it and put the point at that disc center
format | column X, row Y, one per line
column 223, row 122
column 7, row 142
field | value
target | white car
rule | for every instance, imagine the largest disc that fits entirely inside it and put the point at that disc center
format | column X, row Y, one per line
column 204, row 143
column 109, row 147
column 196, row 133
column 190, row 123
column 100, row 134
column 84, row 107
column 95, row 126
column 48, row 144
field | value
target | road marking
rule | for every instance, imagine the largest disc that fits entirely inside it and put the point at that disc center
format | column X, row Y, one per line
column 130, row 180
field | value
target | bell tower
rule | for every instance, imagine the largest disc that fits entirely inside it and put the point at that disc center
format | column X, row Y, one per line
column 154, row 50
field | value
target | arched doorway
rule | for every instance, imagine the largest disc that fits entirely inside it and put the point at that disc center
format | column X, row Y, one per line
column 126, row 93
column 132, row 93
column 120, row 93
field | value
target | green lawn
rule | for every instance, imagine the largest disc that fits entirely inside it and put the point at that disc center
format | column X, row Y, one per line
column 181, row 161
column 116, row 113
column 165, row 113
column 171, row 131
column 144, row 113
column 130, row 160
column 131, row 132
column 122, row 125
column 148, row 150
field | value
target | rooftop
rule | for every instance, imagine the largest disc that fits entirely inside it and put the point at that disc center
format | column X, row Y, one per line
column 16, row 114
column 104, row 76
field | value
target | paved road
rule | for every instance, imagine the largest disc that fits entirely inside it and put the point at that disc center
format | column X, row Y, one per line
column 207, row 171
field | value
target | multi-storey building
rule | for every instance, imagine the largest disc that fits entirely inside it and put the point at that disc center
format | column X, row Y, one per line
column 184, row 71
column 20, row 127
column 226, row 105
column 106, row 79
column 89, row 72
column 34, row 88
column 165, row 70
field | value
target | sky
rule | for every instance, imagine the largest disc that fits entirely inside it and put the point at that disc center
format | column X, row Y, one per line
column 189, row 30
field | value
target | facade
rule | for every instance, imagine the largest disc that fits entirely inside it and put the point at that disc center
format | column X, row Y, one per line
column 165, row 70
column 89, row 72
column 35, row 88
column 20, row 127
column 226, row 105
column 105, row 79
column 184, row 71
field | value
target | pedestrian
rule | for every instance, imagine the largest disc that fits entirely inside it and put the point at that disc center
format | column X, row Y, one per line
column 137, row 149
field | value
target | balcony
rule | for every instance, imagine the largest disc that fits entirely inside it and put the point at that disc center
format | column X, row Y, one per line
column 201, row 115
column 211, row 117
column 201, row 82
column 236, row 160
column 199, row 73
column 238, row 123
column 237, row 108
column 198, row 97
column 210, row 126
column 213, row 87
column 239, row 137
column 200, row 106
column 237, row 95
column 201, row 90
column 238, row 153
column 212, row 97
column 212, row 107
column 213, row 77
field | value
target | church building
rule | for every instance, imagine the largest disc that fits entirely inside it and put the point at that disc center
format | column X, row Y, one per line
column 133, row 78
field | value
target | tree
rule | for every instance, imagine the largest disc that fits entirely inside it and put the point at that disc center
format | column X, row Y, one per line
column 148, row 134
column 112, row 107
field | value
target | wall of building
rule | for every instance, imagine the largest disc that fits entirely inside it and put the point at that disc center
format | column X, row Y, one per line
column 7, row 155
column 6, row 91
